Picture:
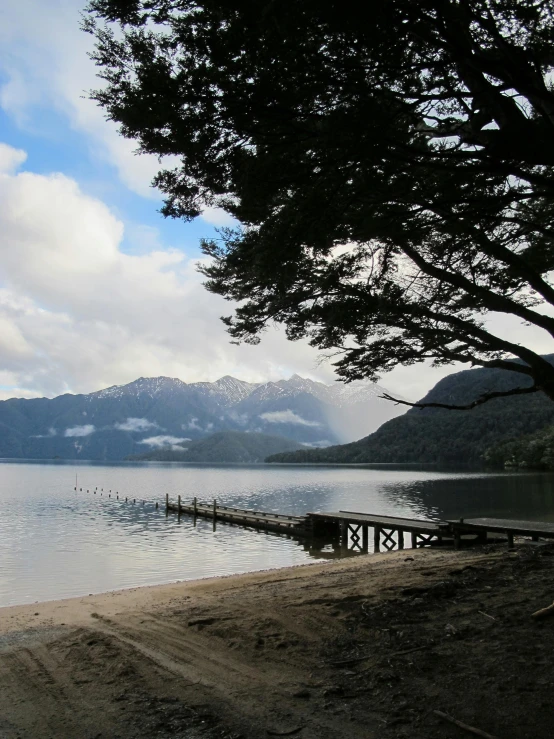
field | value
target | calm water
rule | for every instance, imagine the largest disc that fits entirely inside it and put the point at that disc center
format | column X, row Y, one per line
column 57, row 543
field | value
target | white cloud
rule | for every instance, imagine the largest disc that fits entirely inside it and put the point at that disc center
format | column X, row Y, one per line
column 218, row 217
column 136, row 424
column 10, row 158
column 157, row 442
column 51, row 433
column 192, row 425
column 287, row 416
column 85, row 430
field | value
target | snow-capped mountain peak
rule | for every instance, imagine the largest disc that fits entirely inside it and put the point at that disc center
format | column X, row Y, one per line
column 151, row 386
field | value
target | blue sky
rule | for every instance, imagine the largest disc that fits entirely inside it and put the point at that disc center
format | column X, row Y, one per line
column 96, row 288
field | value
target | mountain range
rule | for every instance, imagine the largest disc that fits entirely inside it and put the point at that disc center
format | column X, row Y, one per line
column 163, row 413
column 437, row 435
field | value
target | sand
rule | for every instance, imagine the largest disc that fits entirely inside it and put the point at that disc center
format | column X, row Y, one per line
column 364, row 647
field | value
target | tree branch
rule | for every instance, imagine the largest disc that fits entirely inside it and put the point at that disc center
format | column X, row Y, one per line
column 479, row 401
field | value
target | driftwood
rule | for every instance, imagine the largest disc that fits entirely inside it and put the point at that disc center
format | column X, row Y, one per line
column 352, row 660
column 466, row 727
column 348, row 661
column 492, row 618
column 284, row 732
column 544, row 612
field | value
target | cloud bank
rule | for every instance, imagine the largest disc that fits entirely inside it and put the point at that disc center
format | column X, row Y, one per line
column 136, row 424
column 158, row 442
column 287, row 416
column 78, row 314
column 85, row 430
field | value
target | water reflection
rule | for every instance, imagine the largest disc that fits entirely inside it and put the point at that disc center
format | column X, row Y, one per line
column 58, row 542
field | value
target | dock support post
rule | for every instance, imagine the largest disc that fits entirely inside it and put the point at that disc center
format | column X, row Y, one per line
column 376, row 539
column 365, row 538
column 344, row 534
column 400, row 539
column 215, row 508
column 195, row 506
column 414, row 540
column 167, row 501
column 510, row 536
column 178, row 506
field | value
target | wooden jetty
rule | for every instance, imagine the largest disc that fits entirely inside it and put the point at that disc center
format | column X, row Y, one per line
column 350, row 529
column 269, row 521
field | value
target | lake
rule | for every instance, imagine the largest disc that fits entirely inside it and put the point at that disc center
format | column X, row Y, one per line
column 56, row 542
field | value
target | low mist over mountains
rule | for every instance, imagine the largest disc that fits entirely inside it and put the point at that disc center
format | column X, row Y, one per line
column 162, row 413
column 223, row 446
column 438, row 435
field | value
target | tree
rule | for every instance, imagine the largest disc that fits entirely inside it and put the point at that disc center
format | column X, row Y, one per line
column 393, row 179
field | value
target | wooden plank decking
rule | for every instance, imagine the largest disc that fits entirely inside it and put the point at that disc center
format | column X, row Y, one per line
column 278, row 522
column 510, row 527
column 392, row 522
column 521, row 528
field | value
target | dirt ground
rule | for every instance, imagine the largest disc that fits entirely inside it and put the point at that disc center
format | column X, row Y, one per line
column 367, row 647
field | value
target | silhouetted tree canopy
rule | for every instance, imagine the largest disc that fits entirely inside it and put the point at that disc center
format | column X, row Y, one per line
column 393, row 173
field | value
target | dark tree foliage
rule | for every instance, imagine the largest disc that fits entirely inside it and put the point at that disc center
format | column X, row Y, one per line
column 393, row 173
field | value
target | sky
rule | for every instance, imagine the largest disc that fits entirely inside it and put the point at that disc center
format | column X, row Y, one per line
column 96, row 287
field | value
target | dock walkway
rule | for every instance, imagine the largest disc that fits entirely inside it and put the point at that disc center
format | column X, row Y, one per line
column 483, row 526
column 351, row 528
column 267, row 520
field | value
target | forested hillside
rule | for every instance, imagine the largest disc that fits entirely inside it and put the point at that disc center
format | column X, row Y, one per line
column 225, row 446
column 446, row 436
column 534, row 451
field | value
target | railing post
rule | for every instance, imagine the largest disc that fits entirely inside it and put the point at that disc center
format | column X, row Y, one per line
column 376, row 539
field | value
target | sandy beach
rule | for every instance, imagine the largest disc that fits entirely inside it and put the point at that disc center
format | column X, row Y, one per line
column 364, row 647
